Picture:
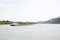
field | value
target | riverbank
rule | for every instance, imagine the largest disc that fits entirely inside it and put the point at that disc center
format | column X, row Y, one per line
column 11, row 22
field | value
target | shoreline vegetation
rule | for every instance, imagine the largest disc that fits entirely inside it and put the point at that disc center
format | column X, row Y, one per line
column 11, row 22
column 51, row 21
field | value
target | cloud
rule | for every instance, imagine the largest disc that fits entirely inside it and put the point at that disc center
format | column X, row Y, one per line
column 29, row 10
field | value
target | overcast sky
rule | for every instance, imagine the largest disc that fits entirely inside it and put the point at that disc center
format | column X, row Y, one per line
column 29, row 10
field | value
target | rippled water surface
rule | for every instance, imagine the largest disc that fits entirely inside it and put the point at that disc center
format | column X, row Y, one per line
column 30, row 32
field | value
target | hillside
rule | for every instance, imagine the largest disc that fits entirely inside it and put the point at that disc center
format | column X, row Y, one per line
column 54, row 20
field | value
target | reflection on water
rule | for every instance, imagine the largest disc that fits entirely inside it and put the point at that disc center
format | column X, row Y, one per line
column 32, row 32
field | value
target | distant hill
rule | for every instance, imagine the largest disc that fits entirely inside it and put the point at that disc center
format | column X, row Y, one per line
column 53, row 20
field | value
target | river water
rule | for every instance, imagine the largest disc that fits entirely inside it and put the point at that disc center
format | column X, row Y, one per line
column 30, row 32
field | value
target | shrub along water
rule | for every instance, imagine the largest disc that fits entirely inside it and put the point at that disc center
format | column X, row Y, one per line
column 10, row 22
column 6, row 22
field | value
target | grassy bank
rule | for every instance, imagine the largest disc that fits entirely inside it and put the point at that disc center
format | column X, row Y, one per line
column 10, row 22
column 26, row 22
column 5, row 22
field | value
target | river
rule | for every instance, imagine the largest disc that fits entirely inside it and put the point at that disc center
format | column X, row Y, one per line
column 30, row 32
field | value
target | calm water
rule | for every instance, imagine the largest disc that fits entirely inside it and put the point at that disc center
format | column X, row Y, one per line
column 30, row 32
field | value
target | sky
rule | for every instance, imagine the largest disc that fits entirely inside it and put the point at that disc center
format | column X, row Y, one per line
column 29, row 10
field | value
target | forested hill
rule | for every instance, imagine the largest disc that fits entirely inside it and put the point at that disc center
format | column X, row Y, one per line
column 54, row 20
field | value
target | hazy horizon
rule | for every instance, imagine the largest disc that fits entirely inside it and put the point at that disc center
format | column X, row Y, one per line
column 29, row 10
